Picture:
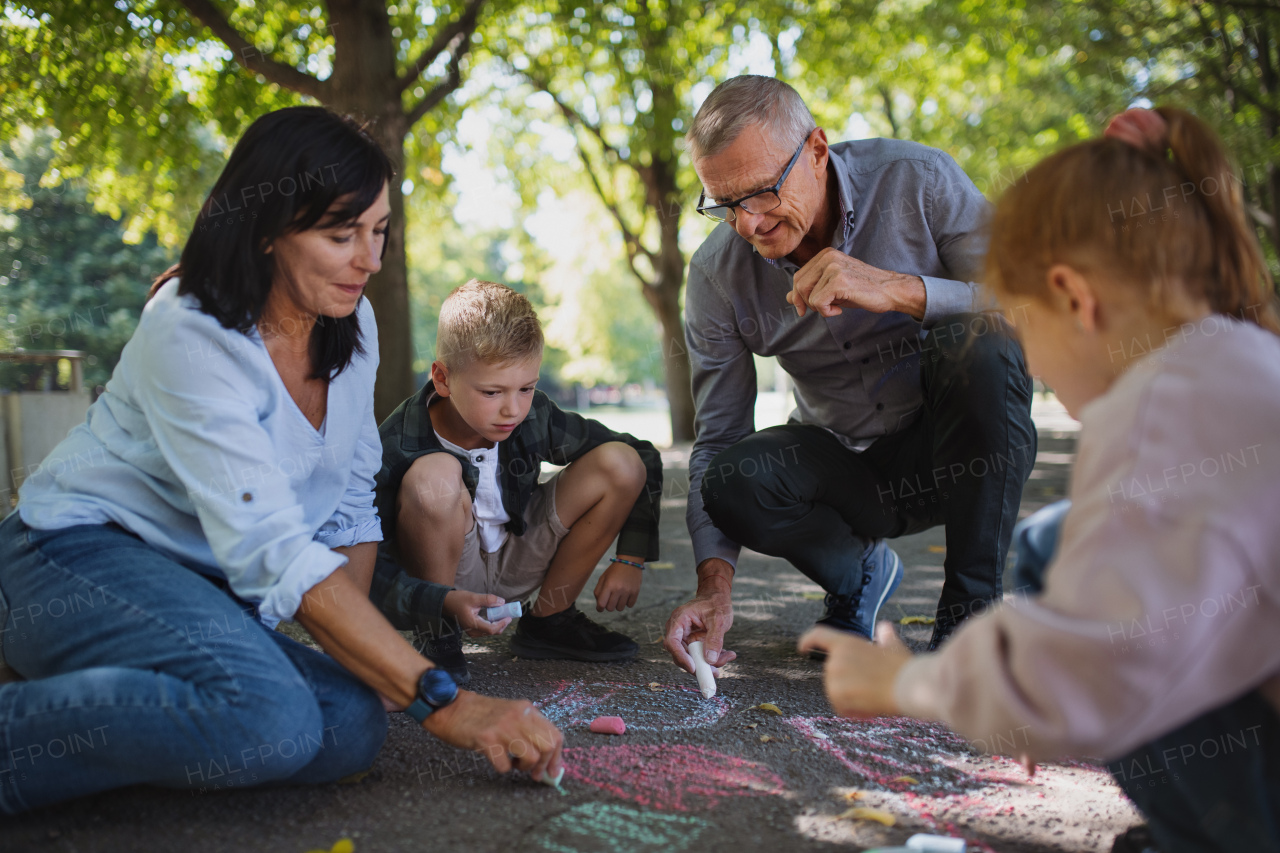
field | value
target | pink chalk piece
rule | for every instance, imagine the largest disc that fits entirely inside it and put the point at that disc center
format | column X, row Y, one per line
column 608, row 726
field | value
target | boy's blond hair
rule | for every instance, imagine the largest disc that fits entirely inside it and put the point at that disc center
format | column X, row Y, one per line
column 489, row 322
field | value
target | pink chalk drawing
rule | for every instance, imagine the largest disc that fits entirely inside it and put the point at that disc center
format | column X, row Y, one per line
column 950, row 781
column 673, row 708
column 678, row 778
column 874, row 751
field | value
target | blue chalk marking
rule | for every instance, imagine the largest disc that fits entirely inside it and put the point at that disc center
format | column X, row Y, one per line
column 603, row 826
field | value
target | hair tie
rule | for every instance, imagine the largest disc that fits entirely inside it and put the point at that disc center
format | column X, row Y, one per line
column 1145, row 130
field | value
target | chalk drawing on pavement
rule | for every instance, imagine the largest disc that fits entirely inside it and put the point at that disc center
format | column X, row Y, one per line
column 617, row 829
column 899, row 754
column 673, row 708
column 676, row 777
column 925, row 769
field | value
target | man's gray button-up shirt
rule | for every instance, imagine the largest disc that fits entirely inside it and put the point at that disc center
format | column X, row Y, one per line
column 905, row 208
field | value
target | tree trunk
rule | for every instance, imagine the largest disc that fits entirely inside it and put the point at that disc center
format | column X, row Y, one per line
column 388, row 291
column 663, row 294
column 364, row 85
column 665, row 302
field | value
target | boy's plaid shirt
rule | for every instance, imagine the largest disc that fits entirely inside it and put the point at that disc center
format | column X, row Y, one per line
column 548, row 434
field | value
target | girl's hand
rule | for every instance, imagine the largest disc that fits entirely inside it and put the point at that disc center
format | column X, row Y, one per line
column 618, row 587
column 858, row 675
column 464, row 608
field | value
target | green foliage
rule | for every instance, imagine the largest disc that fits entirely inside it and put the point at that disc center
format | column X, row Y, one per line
column 143, row 103
column 607, row 332
column 997, row 85
column 69, row 279
column 1001, row 84
column 147, row 102
column 1221, row 61
column 444, row 255
column 622, row 77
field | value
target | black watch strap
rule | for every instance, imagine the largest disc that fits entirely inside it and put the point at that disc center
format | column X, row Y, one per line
column 436, row 689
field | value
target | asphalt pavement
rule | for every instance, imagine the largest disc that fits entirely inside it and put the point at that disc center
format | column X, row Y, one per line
column 765, row 765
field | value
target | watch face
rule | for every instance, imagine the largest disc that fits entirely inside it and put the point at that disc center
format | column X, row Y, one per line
column 437, row 688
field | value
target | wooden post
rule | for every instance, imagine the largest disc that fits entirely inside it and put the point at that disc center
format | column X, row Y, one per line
column 12, row 414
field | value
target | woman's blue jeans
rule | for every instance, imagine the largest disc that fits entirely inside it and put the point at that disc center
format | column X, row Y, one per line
column 140, row 670
column 1212, row 784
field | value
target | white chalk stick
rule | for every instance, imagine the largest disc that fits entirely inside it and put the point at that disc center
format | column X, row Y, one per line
column 555, row 782
column 924, row 843
column 502, row 611
column 702, row 669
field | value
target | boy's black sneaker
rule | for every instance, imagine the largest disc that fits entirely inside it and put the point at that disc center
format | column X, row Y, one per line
column 1137, row 840
column 569, row 635
column 445, row 651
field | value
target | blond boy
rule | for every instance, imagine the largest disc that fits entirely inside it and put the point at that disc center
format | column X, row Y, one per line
column 461, row 505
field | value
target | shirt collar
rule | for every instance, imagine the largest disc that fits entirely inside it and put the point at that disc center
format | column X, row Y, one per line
column 848, row 215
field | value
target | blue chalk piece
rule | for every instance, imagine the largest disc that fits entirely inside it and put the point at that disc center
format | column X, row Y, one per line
column 502, row 611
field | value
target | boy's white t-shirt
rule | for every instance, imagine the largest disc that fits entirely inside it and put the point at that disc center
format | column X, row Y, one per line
column 487, row 507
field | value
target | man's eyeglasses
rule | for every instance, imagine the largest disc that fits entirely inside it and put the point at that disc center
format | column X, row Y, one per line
column 758, row 202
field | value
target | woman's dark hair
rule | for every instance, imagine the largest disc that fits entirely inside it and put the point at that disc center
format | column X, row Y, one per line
column 283, row 177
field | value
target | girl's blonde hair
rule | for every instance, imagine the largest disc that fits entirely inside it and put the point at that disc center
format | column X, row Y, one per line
column 1174, row 222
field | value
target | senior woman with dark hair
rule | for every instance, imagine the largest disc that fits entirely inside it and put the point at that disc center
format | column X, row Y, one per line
column 221, row 484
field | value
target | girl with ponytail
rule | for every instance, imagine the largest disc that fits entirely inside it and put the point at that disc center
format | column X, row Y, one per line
column 1146, row 628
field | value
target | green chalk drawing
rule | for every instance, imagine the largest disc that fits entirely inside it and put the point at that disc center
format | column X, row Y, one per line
column 619, row 829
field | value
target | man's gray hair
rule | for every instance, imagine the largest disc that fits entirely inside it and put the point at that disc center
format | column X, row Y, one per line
column 741, row 102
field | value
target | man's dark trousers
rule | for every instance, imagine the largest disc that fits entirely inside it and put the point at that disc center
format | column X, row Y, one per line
column 794, row 491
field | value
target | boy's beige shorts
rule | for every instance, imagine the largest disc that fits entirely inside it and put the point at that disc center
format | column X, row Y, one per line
column 516, row 569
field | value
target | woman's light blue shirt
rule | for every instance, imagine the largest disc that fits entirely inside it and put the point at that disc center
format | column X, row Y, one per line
column 197, row 447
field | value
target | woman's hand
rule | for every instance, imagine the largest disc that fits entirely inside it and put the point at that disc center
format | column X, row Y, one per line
column 618, row 587
column 464, row 608
column 510, row 732
column 859, row 676
column 345, row 623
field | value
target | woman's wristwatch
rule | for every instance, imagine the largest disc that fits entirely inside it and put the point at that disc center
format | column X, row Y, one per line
column 436, row 689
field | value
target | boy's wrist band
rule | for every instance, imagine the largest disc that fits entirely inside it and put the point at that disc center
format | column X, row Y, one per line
column 639, row 566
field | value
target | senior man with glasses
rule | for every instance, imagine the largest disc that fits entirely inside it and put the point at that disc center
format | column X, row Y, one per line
column 853, row 264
